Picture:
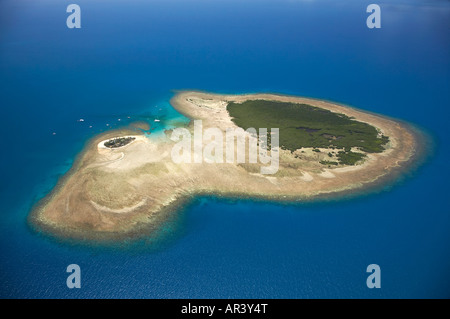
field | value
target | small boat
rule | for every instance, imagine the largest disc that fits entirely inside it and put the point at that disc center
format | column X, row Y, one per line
column 156, row 120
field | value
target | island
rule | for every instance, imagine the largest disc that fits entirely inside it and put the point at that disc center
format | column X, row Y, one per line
column 125, row 184
column 119, row 141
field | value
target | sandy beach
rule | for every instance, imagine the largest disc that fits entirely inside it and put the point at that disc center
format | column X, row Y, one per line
column 115, row 193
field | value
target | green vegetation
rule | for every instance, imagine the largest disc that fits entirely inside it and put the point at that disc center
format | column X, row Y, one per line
column 118, row 142
column 328, row 163
column 349, row 158
column 307, row 126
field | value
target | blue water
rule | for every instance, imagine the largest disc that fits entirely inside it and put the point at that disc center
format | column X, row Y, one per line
column 126, row 60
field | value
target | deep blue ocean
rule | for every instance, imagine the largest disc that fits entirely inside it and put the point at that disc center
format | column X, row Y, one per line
column 127, row 59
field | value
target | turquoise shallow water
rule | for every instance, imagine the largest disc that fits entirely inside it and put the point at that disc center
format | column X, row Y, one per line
column 127, row 59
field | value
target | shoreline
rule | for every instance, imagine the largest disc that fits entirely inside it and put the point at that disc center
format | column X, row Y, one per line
column 33, row 220
column 143, row 227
